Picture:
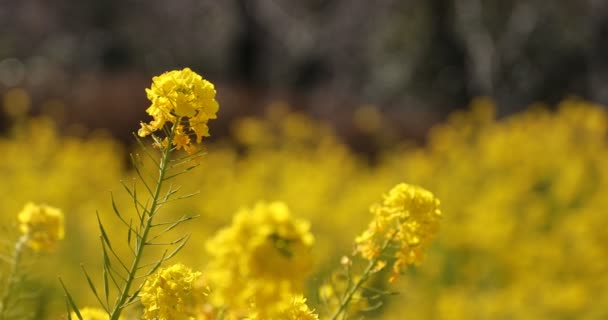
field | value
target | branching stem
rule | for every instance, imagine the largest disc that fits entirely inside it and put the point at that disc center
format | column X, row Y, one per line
column 364, row 277
column 141, row 243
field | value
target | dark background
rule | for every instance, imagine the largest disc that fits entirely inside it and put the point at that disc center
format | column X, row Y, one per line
column 415, row 60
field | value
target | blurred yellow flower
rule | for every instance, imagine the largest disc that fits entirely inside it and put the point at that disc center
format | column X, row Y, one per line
column 181, row 97
column 42, row 225
column 407, row 219
column 293, row 308
column 173, row 293
column 261, row 258
column 92, row 314
column 297, row 309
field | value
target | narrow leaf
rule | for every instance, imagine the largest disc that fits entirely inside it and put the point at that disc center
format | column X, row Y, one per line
column 129, row 232
column 107, row 265
column 156, row 265
column 145, row 149
column 181, row 172
column 140, row 175
column 106, row 285
column 70, row 301
column 179, row 248
column 106, row 241
column 92, row 286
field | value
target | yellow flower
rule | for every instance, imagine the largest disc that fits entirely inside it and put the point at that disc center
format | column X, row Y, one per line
column 172, row 293
column 261, row 258
column 181, row 140
column 181, row 97
column 92, row 314
column 407, row 219
column 42, row 225
column 292, row 308
column 297, row 309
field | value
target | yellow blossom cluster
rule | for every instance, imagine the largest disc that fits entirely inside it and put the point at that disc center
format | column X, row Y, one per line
column 525, row 196
column 42, row 225
column 262, row 257
column 38, row 162
column 405, row 222
column 185, row 100
column 288, row 156
column 297, row 309
column 293, row 308
column 173, row 293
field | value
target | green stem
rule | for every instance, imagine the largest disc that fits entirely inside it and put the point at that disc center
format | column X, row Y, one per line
column 364, row 277
column 12, row 276
column 141, row 244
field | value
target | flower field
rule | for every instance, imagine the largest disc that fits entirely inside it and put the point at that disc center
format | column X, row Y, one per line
column 491, row 218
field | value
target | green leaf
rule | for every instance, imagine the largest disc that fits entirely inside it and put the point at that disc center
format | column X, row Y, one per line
column 106, row 285
column 73, row 305
column 92, row 286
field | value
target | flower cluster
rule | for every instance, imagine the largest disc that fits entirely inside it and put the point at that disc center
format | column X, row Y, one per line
column 406, row 221
column 42, row 225
column 293, row 308
column 184, row 99
column 260, row 259
column 172, row 293
column 297, row 309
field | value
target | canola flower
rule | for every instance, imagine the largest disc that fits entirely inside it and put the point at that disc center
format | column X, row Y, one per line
column 293, row 308
column 406, row 222
column 41, row 225
column 38, row 162
column 173, row 293
column 264, row 256
column 401, row 228
column 526, row 197
column 185, row 100
column 297, row 309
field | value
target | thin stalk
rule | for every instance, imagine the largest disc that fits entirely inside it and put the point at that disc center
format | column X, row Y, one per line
column 142, row 243
column 364, row 277
column 12, row 276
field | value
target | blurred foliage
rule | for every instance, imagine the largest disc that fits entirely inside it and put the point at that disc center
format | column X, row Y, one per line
column 523, row 199
column 422, row 57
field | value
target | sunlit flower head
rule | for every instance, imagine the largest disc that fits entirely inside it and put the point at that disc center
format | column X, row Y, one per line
column 407, row 220
column 184, row 98
column 172, row 293
column 42, row 225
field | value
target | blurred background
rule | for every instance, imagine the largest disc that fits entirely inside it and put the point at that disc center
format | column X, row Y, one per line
column 415, row 61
